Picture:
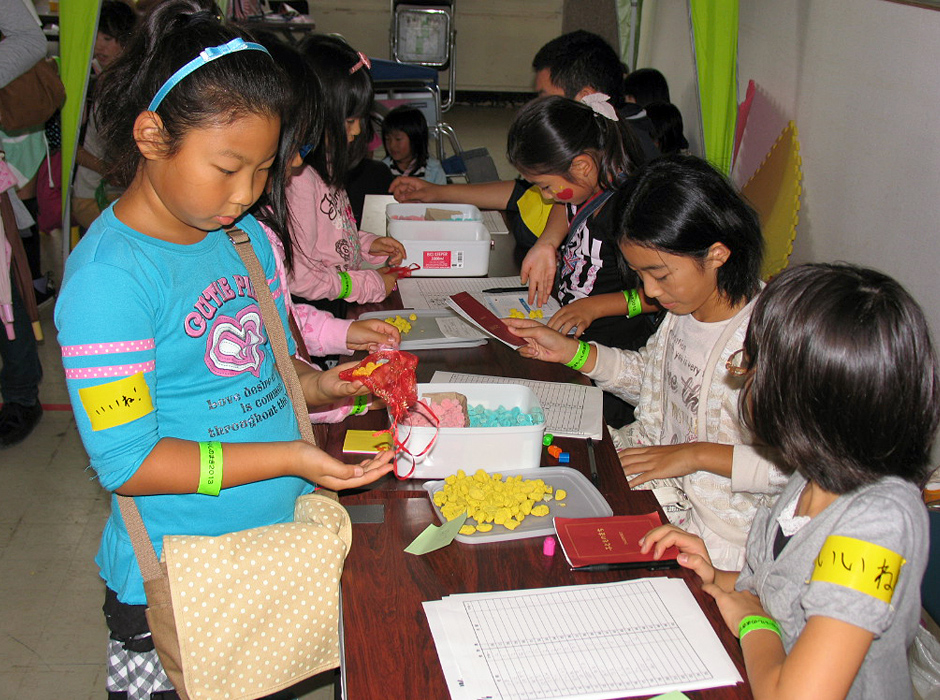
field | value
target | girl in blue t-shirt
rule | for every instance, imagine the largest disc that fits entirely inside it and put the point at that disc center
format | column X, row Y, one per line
column 842, row 379
column 165, row 352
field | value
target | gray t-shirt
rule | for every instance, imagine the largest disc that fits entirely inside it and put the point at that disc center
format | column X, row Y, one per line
column 23, row 42
column 890, row 514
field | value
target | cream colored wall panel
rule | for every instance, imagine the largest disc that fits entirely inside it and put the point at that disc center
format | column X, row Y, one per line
column 496, row 39
column 364, row 23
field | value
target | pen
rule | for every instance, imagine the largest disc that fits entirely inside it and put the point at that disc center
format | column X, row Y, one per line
column 593, row 462
column 505, row 290
column 649, row 566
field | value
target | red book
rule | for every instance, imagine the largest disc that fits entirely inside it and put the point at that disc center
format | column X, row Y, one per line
column 610, row 543
column 483, row 318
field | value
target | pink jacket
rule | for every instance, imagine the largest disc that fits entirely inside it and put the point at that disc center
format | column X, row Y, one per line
column 323, row 334
column 327, row 242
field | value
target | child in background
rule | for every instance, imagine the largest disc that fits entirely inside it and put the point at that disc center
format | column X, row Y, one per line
column 667, row 128
column 645, row 85
column 329, row 250
column 322, row 333
column 366, row 175
column 158, row 322
column 91, row 193
column 843, row 382
column 405, row 135
column 576, row 153
column 697, row 248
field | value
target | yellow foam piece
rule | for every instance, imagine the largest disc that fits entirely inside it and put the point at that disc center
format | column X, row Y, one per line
column 774, row 191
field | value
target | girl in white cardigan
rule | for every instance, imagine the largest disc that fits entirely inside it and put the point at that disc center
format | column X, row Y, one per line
column 696, row 246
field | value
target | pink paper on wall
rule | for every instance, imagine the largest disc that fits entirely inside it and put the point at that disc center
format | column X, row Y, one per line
column 774, row 191
column 765, row 121
column 744, row 109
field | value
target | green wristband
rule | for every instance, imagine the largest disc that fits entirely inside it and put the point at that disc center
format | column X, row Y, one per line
column 757, row 622
column 210, row 468
column 634, row 304
column 360, row 405
column 345, row 285
column 580, row 357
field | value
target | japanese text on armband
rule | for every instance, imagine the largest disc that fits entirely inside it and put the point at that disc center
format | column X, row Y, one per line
column 116, row 403
column 862, row 566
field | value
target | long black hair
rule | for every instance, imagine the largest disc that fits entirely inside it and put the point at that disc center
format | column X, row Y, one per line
column 550, row 132
column 844, row 379
column 345, row 94
column 682, row 205
column 303, row 126
column 220, row 92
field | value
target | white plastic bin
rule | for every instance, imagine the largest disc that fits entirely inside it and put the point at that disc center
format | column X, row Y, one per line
column 467, row 211
column 442, row 248
column 490, row 449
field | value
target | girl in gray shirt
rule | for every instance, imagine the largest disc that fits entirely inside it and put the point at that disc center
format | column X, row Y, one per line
column 843, row 381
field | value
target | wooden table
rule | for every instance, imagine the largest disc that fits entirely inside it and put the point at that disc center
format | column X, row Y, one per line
column 387, row 647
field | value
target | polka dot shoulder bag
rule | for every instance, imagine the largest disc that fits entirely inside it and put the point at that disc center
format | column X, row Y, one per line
column 244, row 615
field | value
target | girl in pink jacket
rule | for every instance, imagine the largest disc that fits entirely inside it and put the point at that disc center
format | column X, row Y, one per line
column 329, row 250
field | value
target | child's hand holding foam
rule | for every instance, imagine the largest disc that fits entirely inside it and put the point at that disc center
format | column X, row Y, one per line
column 538, row 271
column 324, row 388
column 370, row 334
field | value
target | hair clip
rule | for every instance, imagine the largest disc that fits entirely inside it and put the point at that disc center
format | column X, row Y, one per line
column 208, row 54
column 363, row 61
column 600, row 104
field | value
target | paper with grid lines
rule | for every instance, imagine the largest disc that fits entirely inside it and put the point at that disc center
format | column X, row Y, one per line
column 571, row 410
column 579, row 642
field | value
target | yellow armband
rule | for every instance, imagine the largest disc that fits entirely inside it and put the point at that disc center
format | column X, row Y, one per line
column 862, row 566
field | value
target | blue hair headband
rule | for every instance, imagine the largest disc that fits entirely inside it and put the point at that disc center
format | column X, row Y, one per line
column 205, row 56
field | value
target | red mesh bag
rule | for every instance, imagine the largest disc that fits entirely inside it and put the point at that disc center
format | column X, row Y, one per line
column 390, row 375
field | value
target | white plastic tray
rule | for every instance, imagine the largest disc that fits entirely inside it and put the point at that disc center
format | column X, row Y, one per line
column 425, row 333
column 583, row 501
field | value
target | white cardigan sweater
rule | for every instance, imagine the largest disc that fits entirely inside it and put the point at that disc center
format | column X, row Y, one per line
column 722, row 508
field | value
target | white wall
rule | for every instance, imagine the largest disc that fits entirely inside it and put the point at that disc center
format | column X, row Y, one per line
column 861, row 78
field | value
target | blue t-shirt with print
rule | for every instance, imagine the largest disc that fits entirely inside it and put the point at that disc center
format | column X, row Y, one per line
column 161, row 340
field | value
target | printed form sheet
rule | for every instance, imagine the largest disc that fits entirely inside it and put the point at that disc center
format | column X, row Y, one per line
column 571, row 410
column 433, row 293
column 581, row 642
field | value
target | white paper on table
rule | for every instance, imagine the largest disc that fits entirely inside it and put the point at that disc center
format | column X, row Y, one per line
column 454, row 327
column 589, row 642
column 434, row 292
column 571, row 410
column 373, row 213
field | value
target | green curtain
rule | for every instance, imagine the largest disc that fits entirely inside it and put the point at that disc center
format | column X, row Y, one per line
column 78, row 23
column 715, row 41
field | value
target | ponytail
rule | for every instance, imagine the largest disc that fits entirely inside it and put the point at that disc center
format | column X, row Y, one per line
column 550, row 132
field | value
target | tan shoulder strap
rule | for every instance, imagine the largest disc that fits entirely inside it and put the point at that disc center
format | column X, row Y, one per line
column 275, row 330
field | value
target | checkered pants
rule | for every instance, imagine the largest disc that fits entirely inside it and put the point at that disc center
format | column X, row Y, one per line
column 139, row 674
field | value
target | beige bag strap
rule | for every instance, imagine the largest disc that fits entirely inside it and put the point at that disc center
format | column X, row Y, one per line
column 146, row 555
column 143, row 548
column 275, row 330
